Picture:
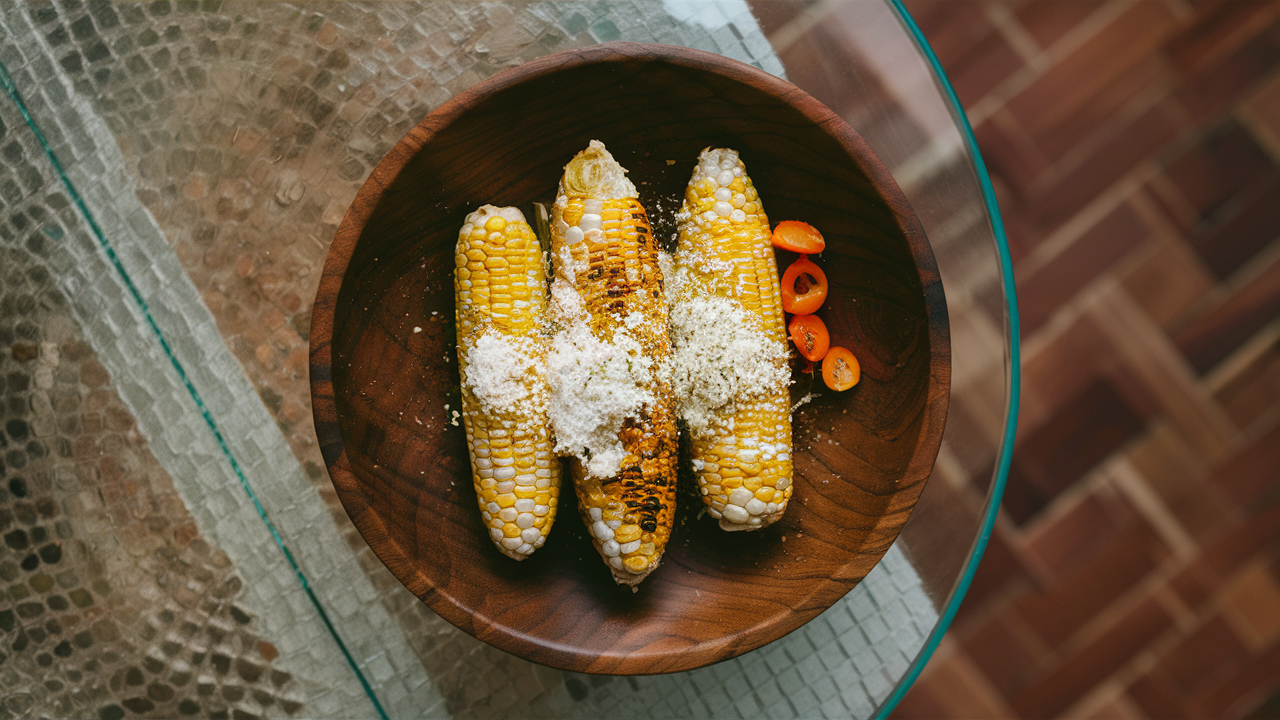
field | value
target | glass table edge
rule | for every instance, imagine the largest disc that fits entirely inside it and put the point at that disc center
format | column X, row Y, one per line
column 1005, row 454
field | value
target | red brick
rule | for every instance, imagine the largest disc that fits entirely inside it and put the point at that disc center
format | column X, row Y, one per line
column 1258, row 532
column 1062, row 368
column 1218, row 29
column 1064, row 542
column 1268, row 709
column 1079, row 435
column 1075, row 80
column 1123, row 151
column 1000, row 570
column 1261, row 677
column 1206, row 653
column 1104, row 111
column 986, row 65
column 1169, row 282
column 1251, row 604
column 1214, row 90
column 1044, row 291
column 1047, row 22
column 1219, row 167
column 1254, row 391
column 1159, row 695
column 1235, row 235
column 1218, row 331
column 1003, row 656
column 1057, row 611
column 1058, row 689
column 1253, row 472
column 1202, row 512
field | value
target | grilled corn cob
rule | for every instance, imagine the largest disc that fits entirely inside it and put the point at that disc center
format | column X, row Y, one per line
column 500, row 287
column 730, row 344
column 612, row 406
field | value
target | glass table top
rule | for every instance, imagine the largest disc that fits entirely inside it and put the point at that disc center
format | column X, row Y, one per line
column 171, row 176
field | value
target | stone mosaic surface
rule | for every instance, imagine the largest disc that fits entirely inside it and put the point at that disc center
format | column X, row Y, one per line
column 113, row 603
column 164, row 355
column 217, row 144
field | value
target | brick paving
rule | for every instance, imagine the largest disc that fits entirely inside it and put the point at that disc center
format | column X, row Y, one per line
column 1135, row 567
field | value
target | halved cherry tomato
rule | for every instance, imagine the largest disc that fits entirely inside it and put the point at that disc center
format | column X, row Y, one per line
column 804, row 287
column 798, row 237
column 840, row 369
column 810, row 336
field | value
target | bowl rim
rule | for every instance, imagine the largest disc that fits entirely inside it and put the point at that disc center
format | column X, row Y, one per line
column 328, row 425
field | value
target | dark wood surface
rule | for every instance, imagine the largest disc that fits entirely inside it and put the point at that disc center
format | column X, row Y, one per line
column 380, row 390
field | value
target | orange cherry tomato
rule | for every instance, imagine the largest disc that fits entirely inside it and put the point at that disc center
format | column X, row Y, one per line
column 810, row 336
column 804, row 287
column 840, row 369
column 800, row 237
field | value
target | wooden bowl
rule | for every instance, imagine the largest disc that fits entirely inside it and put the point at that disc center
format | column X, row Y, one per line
column 384, row 378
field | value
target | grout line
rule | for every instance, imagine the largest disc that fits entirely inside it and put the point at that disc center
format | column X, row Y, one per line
column 1148, row 100
column 1266, row 136
column 1135, row 488
column 1158, row 364
column 1013, row 31
column 1085, row 219
column 11, row 90
column 1238, row 361
column 1094, row 702
column 1064, row 46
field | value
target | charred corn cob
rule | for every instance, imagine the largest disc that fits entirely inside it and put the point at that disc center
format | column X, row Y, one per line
column 730, row 344
column 612, row 407
column 500, row 287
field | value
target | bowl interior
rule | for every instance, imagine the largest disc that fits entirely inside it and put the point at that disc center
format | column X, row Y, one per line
column 385, row 378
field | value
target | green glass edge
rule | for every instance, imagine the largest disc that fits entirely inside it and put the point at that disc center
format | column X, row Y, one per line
column 1015, row 358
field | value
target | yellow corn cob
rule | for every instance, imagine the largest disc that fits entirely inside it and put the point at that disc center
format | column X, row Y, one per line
column 607, row 298
column 500, row 287
column 726, row 310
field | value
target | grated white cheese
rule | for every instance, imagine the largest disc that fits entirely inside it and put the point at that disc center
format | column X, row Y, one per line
column 721, row 354
column 502, row 373
column 595, row 385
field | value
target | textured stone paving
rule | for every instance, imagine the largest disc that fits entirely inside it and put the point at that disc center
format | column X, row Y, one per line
column 216, row 146
column 113, row 599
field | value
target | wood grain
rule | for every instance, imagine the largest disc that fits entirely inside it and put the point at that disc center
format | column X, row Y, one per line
column 380, row 390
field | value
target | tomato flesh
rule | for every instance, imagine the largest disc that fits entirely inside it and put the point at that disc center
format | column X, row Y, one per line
column 840, row 369
column 810, row 336
column 804, row 287
column 799, row 237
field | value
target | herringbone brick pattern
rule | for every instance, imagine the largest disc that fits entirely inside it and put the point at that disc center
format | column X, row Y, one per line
column 1135, row 568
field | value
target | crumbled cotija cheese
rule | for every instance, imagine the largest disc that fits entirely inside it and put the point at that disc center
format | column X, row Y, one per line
column 595, row 385
column 502, row 373
column 721, row 354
